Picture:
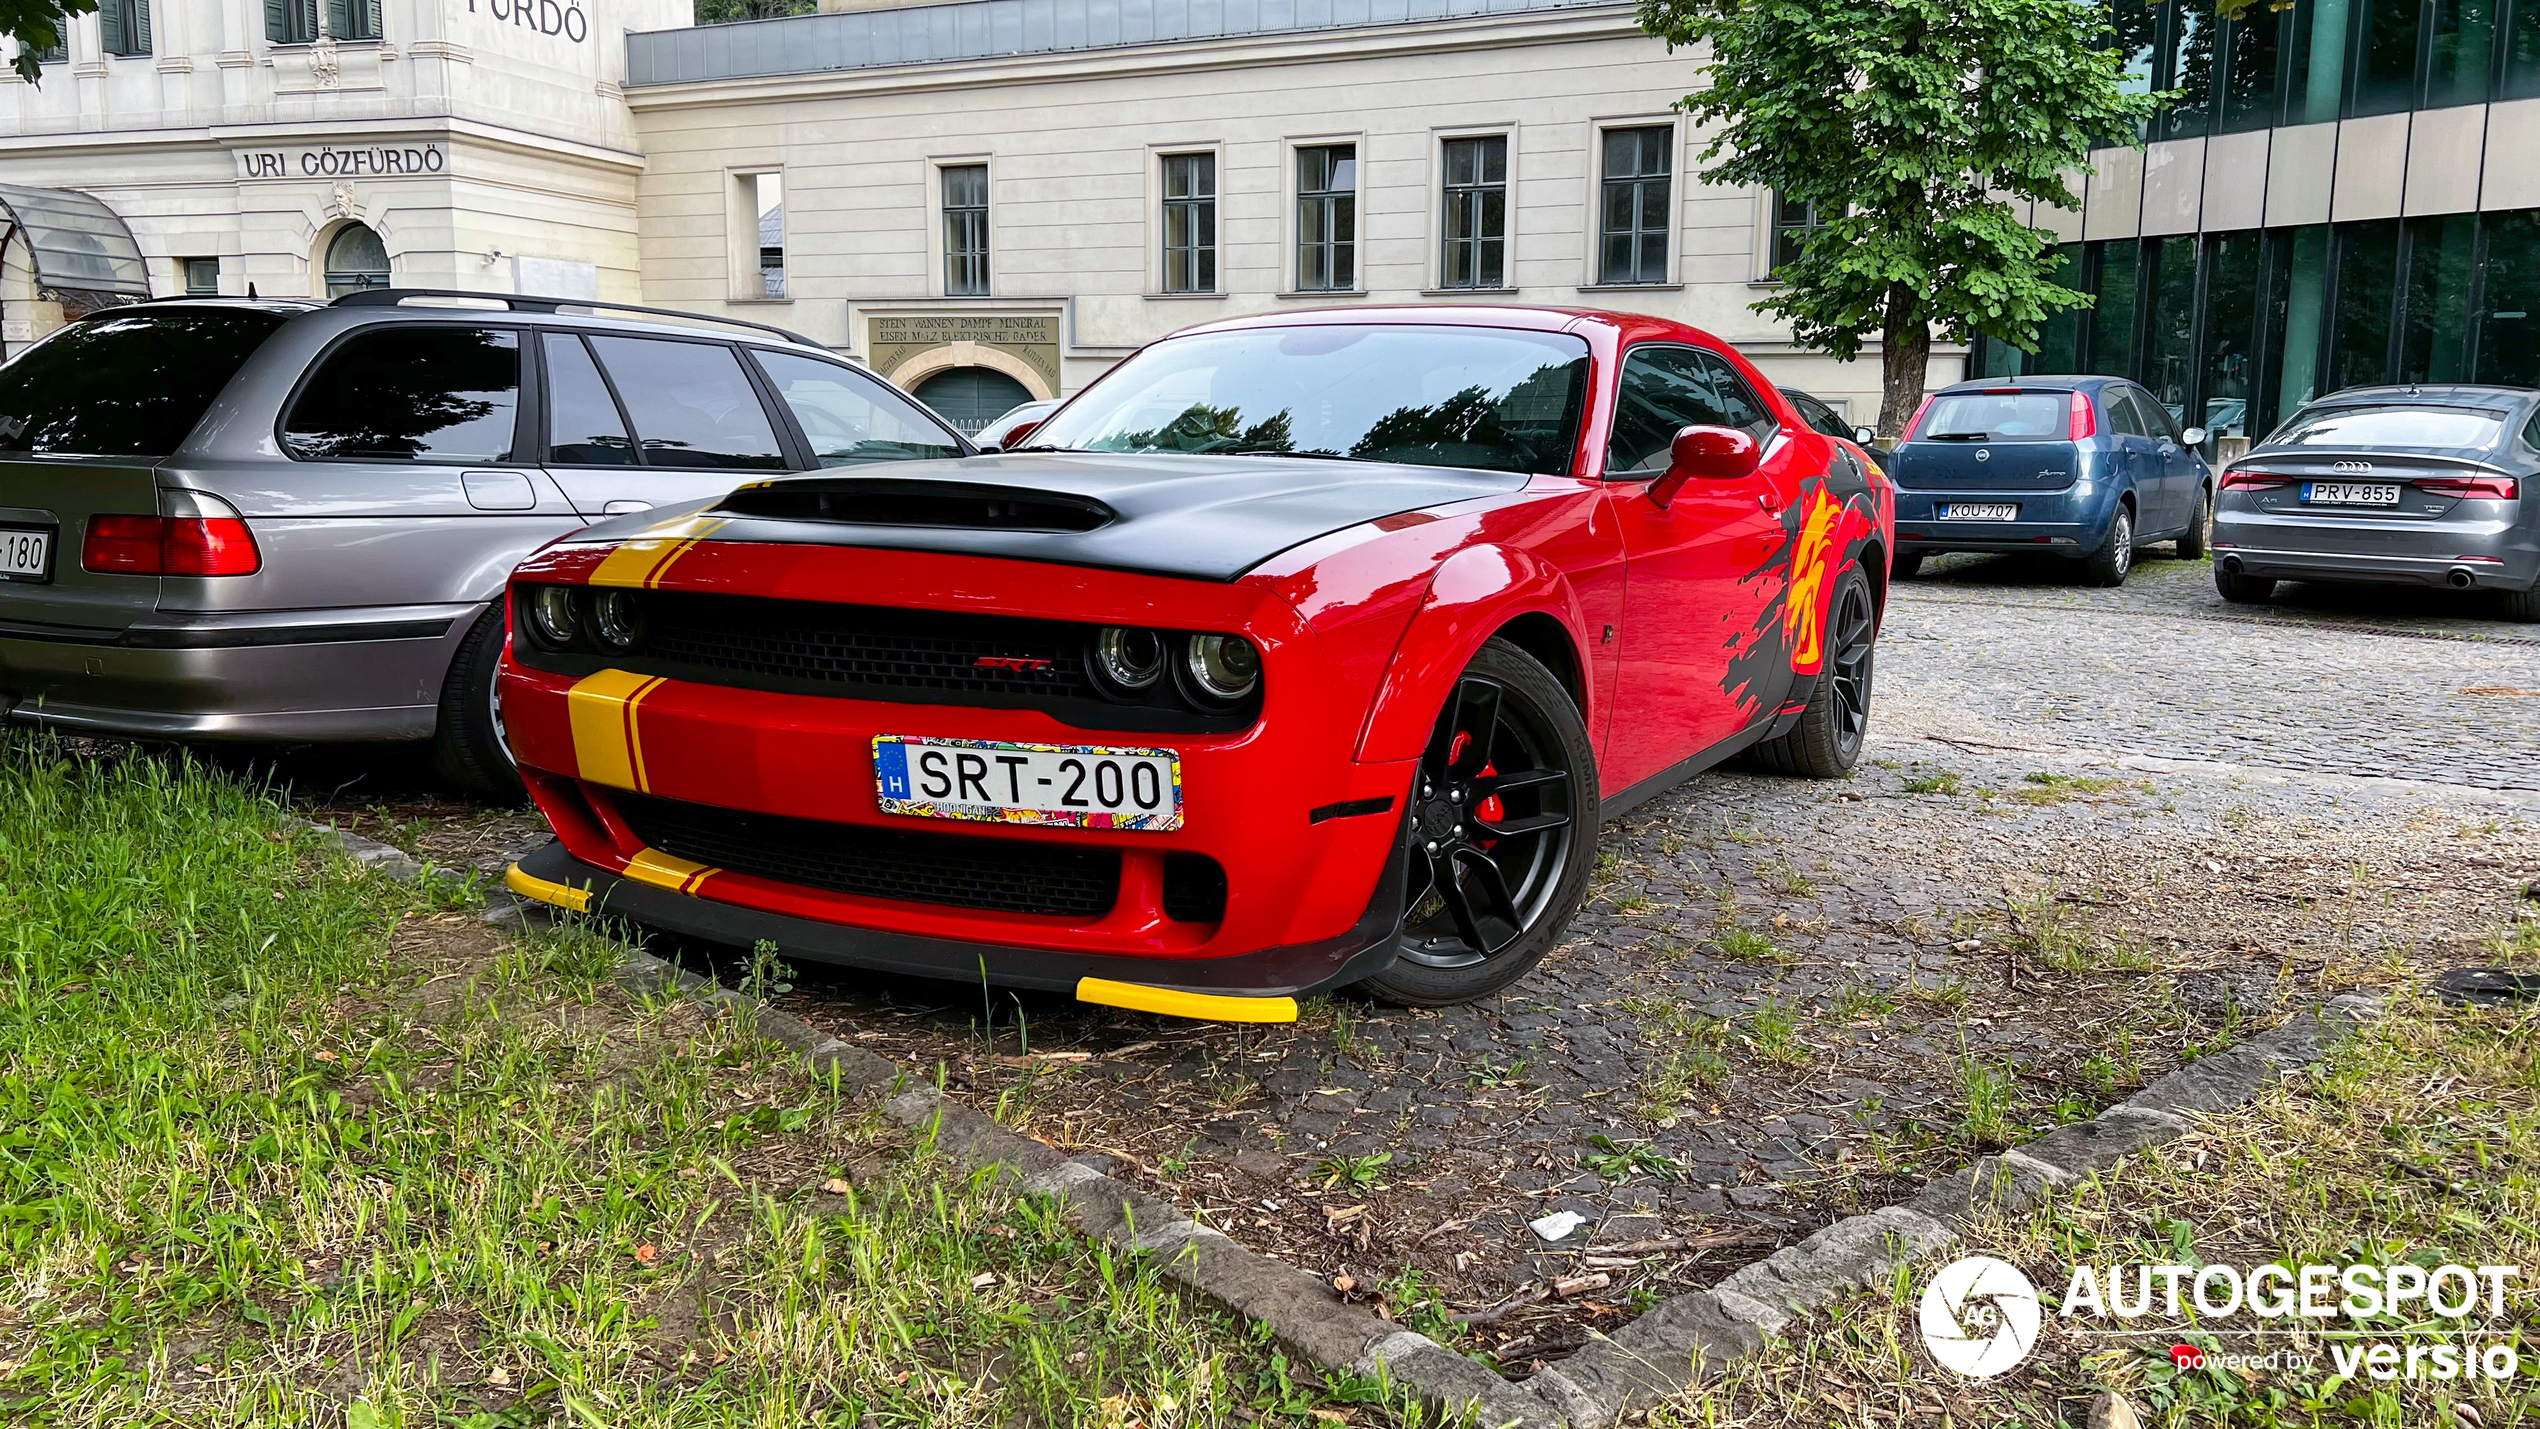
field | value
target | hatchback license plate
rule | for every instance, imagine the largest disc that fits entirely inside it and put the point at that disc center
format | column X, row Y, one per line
column 2351, row 493
column 1980, row 511
column 1076, row 785
column 26, row 555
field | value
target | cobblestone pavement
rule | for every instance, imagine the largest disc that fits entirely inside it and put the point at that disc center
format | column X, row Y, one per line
column 2095, row 832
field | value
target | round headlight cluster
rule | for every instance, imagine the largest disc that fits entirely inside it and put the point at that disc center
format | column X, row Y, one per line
column 560, row 618
column 1210, row 672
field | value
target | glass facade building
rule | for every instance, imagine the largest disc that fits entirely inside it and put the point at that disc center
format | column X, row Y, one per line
column 2345, row 192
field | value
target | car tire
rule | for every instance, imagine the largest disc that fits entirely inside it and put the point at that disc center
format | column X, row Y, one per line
column 1827, row 741
column 469, row 756
column 2108, row 565
column 2191, row 542
column 2242, row 589
column 1537, row 873
column 1905, row 567
column 2522, row 605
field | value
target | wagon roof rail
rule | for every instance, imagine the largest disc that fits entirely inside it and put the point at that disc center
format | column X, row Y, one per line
column 530, row 303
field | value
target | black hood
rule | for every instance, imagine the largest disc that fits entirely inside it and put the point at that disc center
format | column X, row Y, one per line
column 1201, row 517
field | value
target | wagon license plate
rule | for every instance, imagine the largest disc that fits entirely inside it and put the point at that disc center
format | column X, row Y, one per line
column 1980, row 511
column 1077, row 785
column 26, row 555
column 2350, row 493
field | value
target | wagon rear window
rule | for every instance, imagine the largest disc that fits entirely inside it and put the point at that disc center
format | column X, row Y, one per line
column 127, row 384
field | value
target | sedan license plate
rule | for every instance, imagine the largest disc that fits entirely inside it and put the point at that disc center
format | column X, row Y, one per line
column 1980, row 511
column 2351, row 493
column 26, row 555
column 1077, row 785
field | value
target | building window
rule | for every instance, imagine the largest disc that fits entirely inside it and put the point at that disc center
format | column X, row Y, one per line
column 355, row 260
column 298, row 22
column 1190, row 223
column 1476, row 226
column 202, row 277
column 763, row 205
column 1634, row 229
column 2522, row 53
column 291, row 22
column 352, row 19
column 1793, row 221
column 966, row 231
column 1327, row 218
column 123, row 27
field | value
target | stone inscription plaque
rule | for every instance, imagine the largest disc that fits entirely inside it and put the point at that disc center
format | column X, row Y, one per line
column 1033, row 337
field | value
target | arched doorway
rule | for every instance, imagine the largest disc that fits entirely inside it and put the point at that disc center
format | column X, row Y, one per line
column 355, row 259
column 971, row 397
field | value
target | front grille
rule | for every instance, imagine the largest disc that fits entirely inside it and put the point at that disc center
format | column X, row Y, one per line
column 916, row 866
column 887, row 653
column 869, row 650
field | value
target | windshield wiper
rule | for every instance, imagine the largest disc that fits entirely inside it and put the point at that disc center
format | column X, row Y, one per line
column 1310, row 456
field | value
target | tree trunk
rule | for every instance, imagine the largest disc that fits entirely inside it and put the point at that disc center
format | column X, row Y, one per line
column 1904, row 359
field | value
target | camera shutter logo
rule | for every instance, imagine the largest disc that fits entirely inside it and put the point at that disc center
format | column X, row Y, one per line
column 1980, row 1316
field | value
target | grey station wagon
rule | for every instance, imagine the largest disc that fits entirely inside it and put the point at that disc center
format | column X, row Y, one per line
column 291, row 521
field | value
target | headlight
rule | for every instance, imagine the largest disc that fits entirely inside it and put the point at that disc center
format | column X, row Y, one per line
column 550, row 617
column 1220, row 669
column 1128, row 659
column 617, row 620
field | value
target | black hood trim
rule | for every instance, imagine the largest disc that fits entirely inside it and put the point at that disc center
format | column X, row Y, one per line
column 1193, row 517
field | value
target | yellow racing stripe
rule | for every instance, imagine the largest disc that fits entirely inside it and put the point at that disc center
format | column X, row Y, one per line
column 608, row 746
column 645, row 561
column 669, row 871
column 1207, row 1007
column 530, row 885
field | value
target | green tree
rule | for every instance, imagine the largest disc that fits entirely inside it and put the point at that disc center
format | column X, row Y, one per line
column 723, row 12
column 1911, row 126
column 37, row 26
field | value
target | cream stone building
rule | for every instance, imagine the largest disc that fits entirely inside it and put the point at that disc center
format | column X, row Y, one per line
column 988, row 201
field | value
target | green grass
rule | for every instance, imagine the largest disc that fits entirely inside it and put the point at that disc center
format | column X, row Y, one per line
column 282, row 1141
column 1943, row 781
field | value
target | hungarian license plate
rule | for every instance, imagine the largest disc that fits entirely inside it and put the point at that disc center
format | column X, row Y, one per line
column 26, row 555
column 1082, row 786
column 2351, row 493
column 1980, row 511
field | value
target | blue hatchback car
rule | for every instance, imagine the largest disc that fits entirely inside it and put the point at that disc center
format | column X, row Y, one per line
column 2087, row 468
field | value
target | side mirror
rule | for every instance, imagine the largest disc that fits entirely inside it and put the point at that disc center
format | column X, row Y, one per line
column 2192, row 437
column 1863, row 436
column 1012, row 439
column 1708, row 453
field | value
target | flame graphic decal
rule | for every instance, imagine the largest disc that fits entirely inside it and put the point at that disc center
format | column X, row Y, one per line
column 1811, row 566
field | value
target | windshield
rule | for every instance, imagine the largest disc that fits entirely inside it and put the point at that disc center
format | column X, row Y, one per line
column 130, row 384
column 1492, row 398
column 2391, row 427
column 1995, row 417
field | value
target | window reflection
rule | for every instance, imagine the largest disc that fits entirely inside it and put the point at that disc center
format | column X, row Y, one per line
column 2386, row 63
column 2367, row 270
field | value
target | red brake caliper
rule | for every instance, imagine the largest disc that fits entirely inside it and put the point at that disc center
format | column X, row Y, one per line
column 1489, row 810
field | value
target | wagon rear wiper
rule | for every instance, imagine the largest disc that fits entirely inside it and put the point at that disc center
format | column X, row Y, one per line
column 1957, row 436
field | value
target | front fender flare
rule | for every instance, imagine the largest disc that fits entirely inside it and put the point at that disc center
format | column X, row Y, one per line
column 1475, row 592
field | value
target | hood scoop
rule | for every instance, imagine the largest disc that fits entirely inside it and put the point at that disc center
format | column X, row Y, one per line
column 948, row 505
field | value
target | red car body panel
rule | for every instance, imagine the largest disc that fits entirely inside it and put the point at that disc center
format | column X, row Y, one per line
column 1685, row 632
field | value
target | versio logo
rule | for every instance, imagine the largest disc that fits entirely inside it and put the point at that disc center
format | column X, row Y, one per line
column 1980, row 1316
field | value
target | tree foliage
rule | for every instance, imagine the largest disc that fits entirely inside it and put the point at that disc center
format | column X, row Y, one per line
column 38, row 26
column 1912, row 126
column 723, row 12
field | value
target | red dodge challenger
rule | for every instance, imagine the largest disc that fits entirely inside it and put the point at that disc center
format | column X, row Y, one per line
column 1295, row 652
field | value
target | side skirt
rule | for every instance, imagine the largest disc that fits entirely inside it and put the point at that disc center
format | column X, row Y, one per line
column 1768, row 727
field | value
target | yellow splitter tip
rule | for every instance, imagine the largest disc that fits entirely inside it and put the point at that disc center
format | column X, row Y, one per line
column 1206, row 1007
column 530, row 885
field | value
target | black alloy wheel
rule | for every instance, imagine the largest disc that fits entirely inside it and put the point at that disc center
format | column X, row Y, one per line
column 1827, row 741
column 1503, row 820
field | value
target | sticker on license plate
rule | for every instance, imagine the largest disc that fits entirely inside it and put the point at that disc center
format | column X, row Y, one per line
column 1076, row 785
column 1980, row 511
column 2351, row 493
column 26, row 555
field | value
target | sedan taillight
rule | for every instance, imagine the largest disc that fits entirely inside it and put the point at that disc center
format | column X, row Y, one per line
column 2243, row 479
column 169, row 546
column 2484, row 488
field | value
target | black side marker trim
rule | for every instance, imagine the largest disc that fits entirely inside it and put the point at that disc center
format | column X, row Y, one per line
column 1354, row 808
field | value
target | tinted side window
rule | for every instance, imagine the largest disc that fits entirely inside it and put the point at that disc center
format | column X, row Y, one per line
column 1739, row 406
column 437, row 393
column 2123, row 419
column 1662, row 391
column 2531, row 432
column 692, row 404
column 2158, row 421
column 848, row 416
column 124, row 385
column 584, row 427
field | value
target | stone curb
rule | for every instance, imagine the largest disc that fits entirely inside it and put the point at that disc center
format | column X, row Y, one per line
column 1676, row 1344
